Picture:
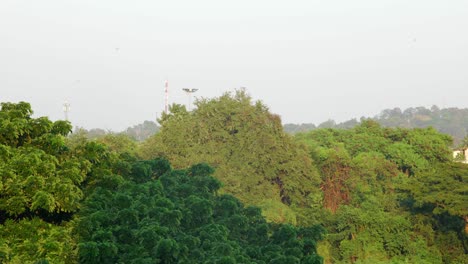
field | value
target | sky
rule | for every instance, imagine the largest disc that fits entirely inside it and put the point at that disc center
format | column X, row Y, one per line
column 308, row 61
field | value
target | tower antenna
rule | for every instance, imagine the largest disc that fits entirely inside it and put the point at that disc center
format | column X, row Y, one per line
column 66, row 109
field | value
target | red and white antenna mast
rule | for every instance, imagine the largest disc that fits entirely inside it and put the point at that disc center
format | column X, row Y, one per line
column 166, row 91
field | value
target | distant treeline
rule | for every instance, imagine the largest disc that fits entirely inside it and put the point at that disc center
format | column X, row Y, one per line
column 451, row 121
column 138, row 132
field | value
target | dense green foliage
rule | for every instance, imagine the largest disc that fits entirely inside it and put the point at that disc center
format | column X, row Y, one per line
column 180, row 218
column 384, row 195
column 256, row 161
column 389, row 195
column 39, row 185
column 451, row 121
column 365, row 173
column 68, row 200
column 373, row 195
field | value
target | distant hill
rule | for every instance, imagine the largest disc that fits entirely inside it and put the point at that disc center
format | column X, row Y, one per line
column 451, row 121
column 138, row 132
column 142, row 131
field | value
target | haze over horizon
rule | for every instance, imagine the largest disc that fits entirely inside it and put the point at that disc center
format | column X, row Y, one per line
column 309, row 61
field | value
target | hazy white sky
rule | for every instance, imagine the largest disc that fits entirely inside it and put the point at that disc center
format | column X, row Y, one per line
column 309, row 61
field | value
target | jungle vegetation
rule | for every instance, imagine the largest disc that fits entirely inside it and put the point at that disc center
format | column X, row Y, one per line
column 225, row 183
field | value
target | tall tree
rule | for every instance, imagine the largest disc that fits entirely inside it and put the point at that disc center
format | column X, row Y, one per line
column 254, row 159
column 38, row 171
column 40, row 181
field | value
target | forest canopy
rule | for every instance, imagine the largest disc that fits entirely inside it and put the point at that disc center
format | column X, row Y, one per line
column 80, row 201
column 225, row 183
